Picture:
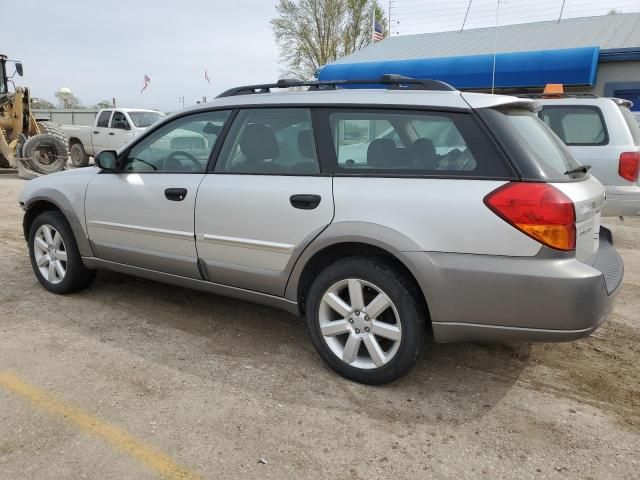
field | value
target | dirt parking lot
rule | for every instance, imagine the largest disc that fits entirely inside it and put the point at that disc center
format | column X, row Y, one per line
column 136, row 379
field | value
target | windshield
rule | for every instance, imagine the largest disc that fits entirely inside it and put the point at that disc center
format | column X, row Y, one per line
column 539, row 153
column 3, row 84
column 145, row 119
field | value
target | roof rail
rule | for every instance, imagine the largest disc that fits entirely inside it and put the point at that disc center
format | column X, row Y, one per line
column 557, row 95
column 392, row 81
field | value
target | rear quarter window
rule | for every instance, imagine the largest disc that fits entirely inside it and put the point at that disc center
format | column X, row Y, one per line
column 576, row 124
column 415, row 143
column 634, row 128
column 538, row 153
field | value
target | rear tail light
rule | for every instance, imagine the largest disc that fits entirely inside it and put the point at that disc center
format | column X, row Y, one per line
column 537, row 209
column 629, row 166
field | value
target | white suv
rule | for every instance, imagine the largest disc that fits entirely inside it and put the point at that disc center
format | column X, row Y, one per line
column 471, row 221
column 601, row 132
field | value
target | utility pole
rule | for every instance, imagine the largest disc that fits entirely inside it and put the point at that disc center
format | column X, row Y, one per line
column 466, row 15
column 181, row 99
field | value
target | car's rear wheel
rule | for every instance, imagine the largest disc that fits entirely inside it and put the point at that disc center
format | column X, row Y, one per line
column 366, row 320
column 54, row 255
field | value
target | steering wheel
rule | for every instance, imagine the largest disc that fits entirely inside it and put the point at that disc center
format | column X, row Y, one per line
column 171, row 161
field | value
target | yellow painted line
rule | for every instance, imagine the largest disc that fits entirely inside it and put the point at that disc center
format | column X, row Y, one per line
column 119, row 438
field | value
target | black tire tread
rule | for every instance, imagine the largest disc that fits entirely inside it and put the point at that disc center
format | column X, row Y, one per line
column 408, row 301
column 78, row 276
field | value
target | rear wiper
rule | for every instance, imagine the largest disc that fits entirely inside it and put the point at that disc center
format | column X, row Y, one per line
column 581, row 168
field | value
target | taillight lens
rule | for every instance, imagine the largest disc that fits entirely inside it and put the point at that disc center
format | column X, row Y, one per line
column 629, row 166
column 538, row 210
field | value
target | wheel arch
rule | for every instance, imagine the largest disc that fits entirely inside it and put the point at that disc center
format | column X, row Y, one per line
column 74, row 141
column 57, row 202
column 336, row 242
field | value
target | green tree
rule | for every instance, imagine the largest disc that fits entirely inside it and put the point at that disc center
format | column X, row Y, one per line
column 312, row 33
column 103, row 104
column 41, row 103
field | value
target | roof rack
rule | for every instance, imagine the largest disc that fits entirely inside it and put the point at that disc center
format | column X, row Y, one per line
column 392, row 81
column 557, row 95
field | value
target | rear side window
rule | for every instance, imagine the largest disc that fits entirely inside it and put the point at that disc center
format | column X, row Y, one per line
column 576, row 124
column 412, row 143
column 531, row 144
column 277, row 141
column 103, row 119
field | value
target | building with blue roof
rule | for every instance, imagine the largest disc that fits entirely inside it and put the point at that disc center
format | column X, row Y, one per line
column 599, row 55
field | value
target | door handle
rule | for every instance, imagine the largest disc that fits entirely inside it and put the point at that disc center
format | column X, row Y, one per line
column 175, row 194
column 305, row 201
column 95, row 132
column 111, row 133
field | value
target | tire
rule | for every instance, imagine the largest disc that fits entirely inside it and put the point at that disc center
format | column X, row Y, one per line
column 79, row 157
column 398, row 329
column 76, row 276
column 46, row 153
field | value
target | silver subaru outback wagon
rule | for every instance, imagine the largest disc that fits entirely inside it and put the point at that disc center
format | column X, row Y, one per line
column 382, row 215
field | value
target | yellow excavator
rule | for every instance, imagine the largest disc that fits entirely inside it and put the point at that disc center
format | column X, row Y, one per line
column 33, row 147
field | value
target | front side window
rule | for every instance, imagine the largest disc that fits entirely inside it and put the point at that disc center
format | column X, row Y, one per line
column 119, row 121
column 103, row 119
column 183, row 145
column 275, row 141
column 3, row 86
column 412, row 143
column 576, row 125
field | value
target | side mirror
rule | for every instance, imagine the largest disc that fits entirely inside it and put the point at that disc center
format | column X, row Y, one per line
column 127, row 126
column 19, row 68
column 107, row 160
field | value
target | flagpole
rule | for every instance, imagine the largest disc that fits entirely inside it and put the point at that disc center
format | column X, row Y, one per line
column 495, row 48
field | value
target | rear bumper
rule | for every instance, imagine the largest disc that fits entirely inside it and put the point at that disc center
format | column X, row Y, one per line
column 542, row 298
column 622, row 201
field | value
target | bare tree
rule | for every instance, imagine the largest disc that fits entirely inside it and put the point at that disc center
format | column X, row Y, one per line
column 614, row 11
column 312, row 33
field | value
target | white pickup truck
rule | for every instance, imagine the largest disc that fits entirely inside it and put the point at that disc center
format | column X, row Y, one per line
column 113, row 128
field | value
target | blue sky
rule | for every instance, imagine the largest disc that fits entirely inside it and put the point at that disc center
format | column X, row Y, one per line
column 103, row 49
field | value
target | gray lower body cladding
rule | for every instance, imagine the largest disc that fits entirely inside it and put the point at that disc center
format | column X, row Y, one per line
column 490, row 298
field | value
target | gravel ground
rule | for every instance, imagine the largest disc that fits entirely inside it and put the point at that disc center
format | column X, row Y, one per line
column 214, row 386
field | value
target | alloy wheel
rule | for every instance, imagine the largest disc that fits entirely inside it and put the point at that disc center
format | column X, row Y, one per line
column 360, row 323
column 50, row 254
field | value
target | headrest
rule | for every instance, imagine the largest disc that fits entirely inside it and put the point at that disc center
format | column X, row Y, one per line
column 305, row 144
column 258, row 142
column 381, row 153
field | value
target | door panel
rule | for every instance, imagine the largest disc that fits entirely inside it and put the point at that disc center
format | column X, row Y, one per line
column 248, row 233
column 131, row 221
column 118, row 134
column 100, row 132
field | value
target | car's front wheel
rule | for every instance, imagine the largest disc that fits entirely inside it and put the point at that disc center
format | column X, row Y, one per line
column 54, row 255
column 366, row 320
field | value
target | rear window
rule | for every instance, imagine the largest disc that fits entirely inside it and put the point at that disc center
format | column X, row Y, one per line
column 538, row 152
column 413, row 143
column 632, row 123
column 576, row 124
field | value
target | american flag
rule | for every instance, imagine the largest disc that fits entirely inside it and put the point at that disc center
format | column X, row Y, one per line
column 378, row 32
column 147, row 81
